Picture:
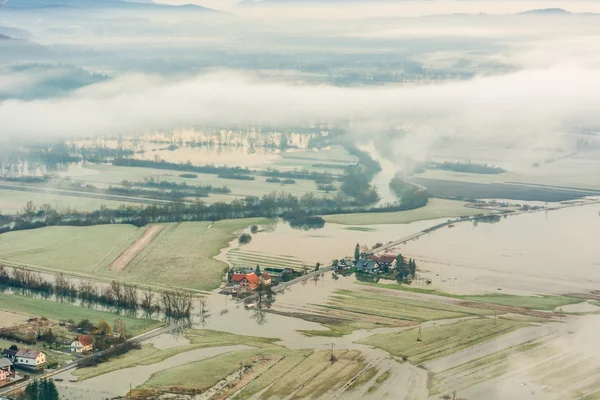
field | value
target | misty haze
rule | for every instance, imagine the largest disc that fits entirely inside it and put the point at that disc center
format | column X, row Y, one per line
column 299, row 199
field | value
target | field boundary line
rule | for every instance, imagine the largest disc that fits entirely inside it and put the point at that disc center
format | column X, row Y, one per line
column 115, row 249
column 162, row 238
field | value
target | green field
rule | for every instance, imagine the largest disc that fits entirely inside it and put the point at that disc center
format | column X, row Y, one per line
column 64, row 248
column 438, row 341
column 180, row 256
column 435, row 208
column 397, row 307
column 539, row 302
column 149, row 354
column 62, row 311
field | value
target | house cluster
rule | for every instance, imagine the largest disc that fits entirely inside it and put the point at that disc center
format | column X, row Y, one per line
column 247, row 279
column 373, row 264
column 22, row 358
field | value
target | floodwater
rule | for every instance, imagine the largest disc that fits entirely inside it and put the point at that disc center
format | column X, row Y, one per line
column 542, row 252
column 334, row 241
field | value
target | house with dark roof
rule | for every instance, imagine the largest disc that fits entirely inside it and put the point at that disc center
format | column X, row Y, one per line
column 367, row 266
column 10, row 354
column 82, row 344
column 30, row 358
column 384, row 260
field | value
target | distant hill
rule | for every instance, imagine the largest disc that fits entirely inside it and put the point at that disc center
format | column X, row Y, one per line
column 46, row 80
column 547, row 11
column 15, row 33
column 96, row 4
column 13, row 49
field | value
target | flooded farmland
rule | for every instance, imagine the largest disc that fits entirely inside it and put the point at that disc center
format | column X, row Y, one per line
column 541, row 252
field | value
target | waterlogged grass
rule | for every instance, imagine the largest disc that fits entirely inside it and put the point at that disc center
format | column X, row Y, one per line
column 397, row 307
column 379, row 381
column 203, row 374
column 58, row 311
column 439, row 341
column 316, row 375
column 364, row 378
column 539, row 302
column 360, row 229
column 243, row 258
column 340, row 328
column 290, row 360
column 435, row 208
column 149, row 354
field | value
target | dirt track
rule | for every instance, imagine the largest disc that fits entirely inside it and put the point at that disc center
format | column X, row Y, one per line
column 132, row 251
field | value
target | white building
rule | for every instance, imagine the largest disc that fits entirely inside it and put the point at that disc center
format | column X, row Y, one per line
column 30, row 358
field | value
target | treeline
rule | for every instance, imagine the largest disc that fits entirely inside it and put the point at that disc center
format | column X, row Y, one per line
column 187, row 167
column 323, row 177
column 410, row 195
column 357, row 184
column 26, row 179
column 174, row 304
column 182, row 187
column 287, row 181
column 467, row 167
column 239, row 177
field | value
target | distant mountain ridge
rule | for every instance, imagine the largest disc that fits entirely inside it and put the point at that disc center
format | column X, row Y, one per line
column 91, row 4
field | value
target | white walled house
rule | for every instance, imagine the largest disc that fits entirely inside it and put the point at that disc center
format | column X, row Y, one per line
column 82, row 344
column 30, row 358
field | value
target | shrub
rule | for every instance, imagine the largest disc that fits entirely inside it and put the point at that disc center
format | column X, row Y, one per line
column 254, row 229
column 188, row 175
column 245, row 238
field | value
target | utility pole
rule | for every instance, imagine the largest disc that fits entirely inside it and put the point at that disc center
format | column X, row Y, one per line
column 241, row 369
column 495, row 312
column 419, row 335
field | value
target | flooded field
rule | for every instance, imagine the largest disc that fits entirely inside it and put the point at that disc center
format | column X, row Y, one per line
column 553, row 252
column 334, row 241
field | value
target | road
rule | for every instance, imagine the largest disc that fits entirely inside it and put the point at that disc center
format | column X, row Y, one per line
column 138, row 339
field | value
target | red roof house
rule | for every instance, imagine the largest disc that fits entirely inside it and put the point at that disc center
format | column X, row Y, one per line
column 246, row 281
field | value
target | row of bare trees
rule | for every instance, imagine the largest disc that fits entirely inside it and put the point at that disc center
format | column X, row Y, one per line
column 174, row 303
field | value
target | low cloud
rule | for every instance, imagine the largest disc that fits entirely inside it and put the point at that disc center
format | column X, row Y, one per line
column 524, row 110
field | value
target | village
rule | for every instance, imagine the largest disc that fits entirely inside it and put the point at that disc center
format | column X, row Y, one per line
column 51, row 346
column 242, row 282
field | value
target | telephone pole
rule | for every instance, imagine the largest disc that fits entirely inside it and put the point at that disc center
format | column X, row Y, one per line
column 419, row 335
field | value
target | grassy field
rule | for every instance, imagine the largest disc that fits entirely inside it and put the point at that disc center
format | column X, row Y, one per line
column 438, row 341
column 149, row 354
column 57, row 311
column 180, row 256
column 435, row 208
column 397, row 307
column 283, row 372
column 65, row 248
column 540, row 302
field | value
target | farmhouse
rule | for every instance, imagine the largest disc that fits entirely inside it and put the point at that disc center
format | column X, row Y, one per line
column 367, row 266
column 385, row 260
column 246, row 281
column 82, row 344
column 30, row 358
column 344, row 264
